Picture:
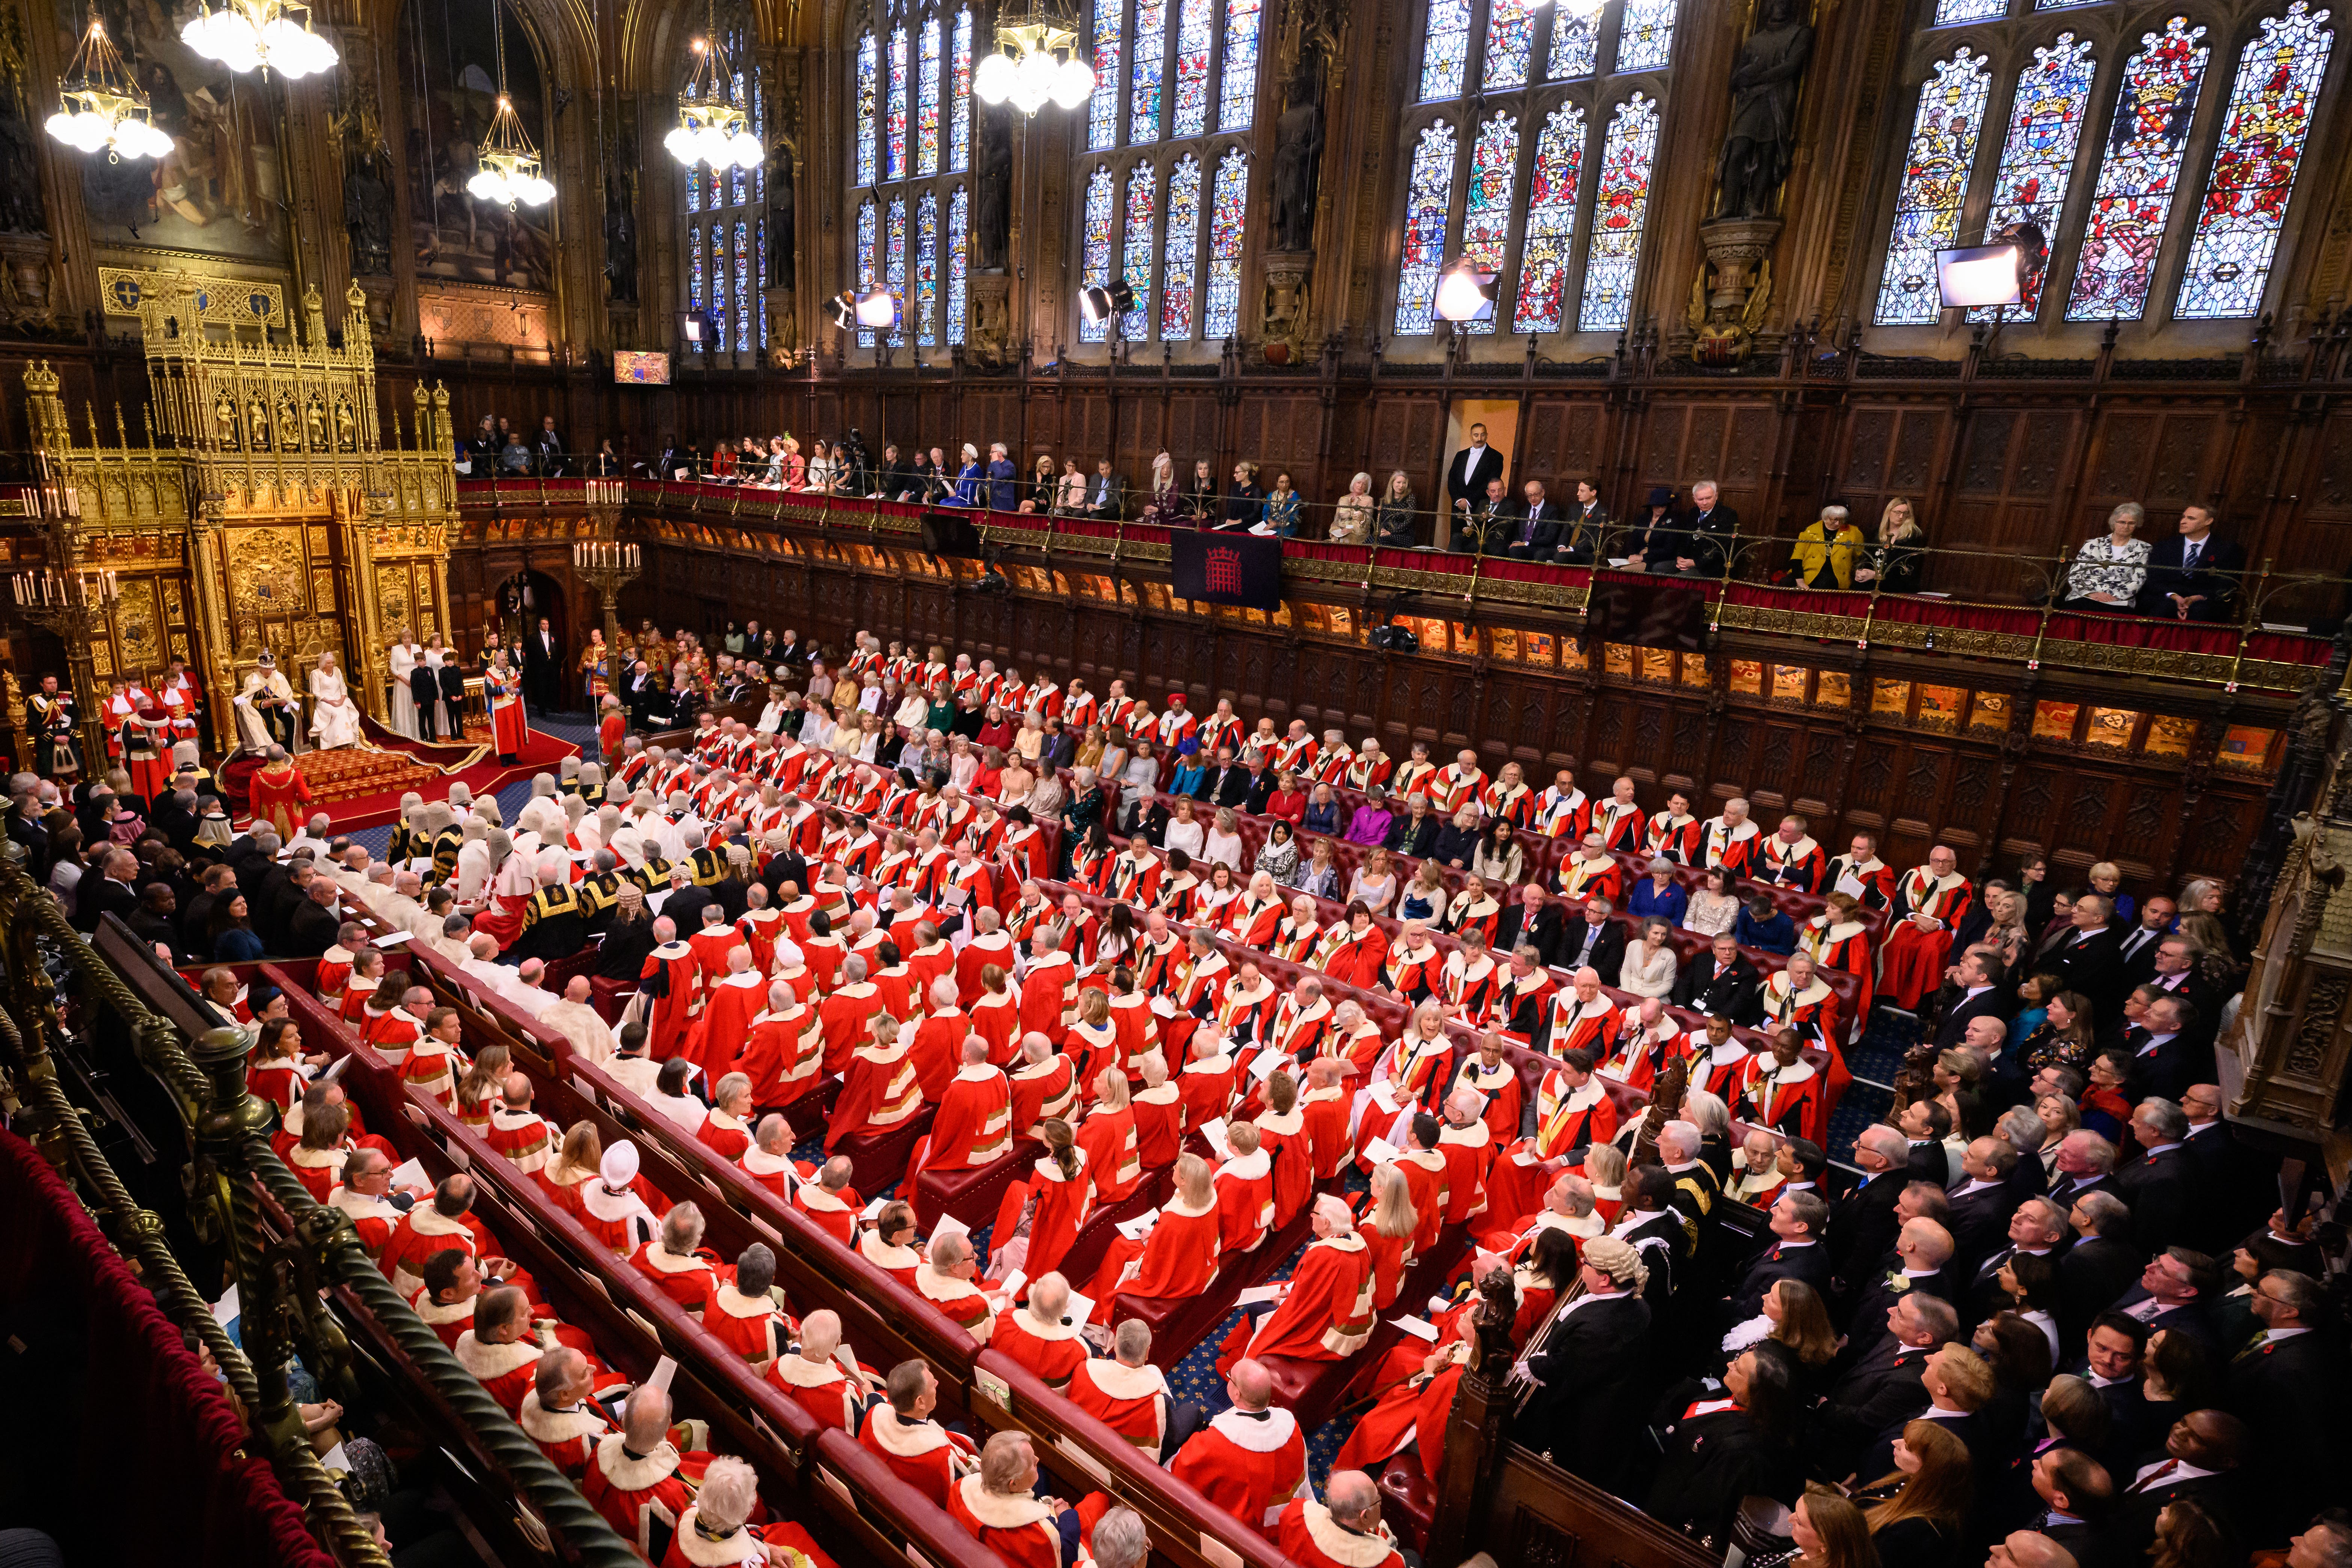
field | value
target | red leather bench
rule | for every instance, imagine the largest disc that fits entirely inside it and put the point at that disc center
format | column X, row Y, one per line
column 970, row 1194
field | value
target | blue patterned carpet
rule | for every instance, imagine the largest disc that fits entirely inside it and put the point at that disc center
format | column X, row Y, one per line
column 1880, row 1052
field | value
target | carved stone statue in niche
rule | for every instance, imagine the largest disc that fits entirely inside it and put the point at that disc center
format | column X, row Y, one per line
column 1298, row 152
column 367, row 214
column 992, row 215
column 21, row 211
column 621, row 236
column 1761, row 139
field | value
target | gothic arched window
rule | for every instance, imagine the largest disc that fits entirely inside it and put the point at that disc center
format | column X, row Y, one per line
column 1167, row 166
column 1502, row 180
column 726, row 213
column 2108, row 127
column 911, row 152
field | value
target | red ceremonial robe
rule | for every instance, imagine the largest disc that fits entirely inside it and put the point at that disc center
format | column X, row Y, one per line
column 688, row 1280
column 1249, row 1464
column 974, row 1124
column 748, row 1325
column 1159, row 1125
column 1108, row 1137
column 674, row 980
column 835, row 1213
column 1020, row 1530
column 1308, row 1537
column 923, row 1454
column 1040, row 1090
column 1327, row 1316
column 1244, row 1200
column 568, row 1437
column 729, row 1007
column 1054, row 1351
column 878, row 1093
column 1177, row 1260
column 634, row 1495
column 821, row 1388
column 1132, row 1401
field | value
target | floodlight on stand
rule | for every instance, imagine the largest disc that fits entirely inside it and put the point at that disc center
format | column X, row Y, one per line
column 876, row 308
column 1094, row 304
column 694, row 330
column 1466, row 293
column 843, row 309
column 1971, row 275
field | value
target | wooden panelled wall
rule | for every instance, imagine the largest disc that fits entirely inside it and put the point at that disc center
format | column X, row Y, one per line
column 1917, row 751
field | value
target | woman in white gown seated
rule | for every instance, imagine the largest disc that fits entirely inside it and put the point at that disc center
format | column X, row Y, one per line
column 334, row 717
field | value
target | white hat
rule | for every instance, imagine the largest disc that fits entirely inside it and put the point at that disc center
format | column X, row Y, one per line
column 619, row 1167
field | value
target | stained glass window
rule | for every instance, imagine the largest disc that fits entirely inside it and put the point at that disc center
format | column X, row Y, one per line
column 2155, row 105
column 1444, row 49
column 1142, row 197
column 1575, row 47
column 1620, row 204
column 1227, row 205
column 1180, row 255
column 744, row 308
column 927, row 269
column 2253, row 168
column 1487, row 207
column 958, row 263
column 1429, row 192
column 959, row 98
column 694, row 272
column 1552, row 223
column 1645, row 38
column 1101, row 204
column 737, row 173
column 866, row 269
column 2037, row 156
column 693, row 192
column 1950, row 11
column 2061, row 5
column 719, row 317
column 927, row 102
column 894, row 138
column 894, row 261
column 1150, row 59
column 1944, row 134
column 1195, row 29
column 759, row 128
column 761, row 228
column 1102, row 108
column 1511, row 44
column 1237, row 73
column 868, row 86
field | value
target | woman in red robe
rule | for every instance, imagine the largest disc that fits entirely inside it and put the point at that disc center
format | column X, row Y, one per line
column 1059, row 1196
column 1355, row 952
column 1415, row 1408
column 1178, row 1258
column 1281, row 1133
column 1108, row 1139
column 1387, row 1225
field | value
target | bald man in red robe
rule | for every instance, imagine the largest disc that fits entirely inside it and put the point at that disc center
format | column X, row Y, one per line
column 974, row 1123
column 1252, row 1459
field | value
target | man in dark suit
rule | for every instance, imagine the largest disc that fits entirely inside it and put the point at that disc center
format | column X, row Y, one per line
column 2193, row 576
column 2099, row 1267
column 1922, row 1253
column 1652, row 1226
column 1106, row 492
column 453, row 694
column 1486, row 528
column 1798, row 1222
column 317, row 921
column 1223, row 783
column 2167, row 1055
column 1259, row 783
column 1533, row 918
column 1979, row 997
column 2086, row 1163
column 1721, row 982
column 2154, row 1182
column 1882, row 1388
column 1652, row 540
column 2199, row 1464
column 2286, row 1385
column 1982, row 1203
column 1467, row 476
column 685, row 902
column 2072, row 1491
column 540, row 658
column 106, row 887
column 1146, row 817
column 1959, row 1383
column 1532, row 532
column 2174, row 1292
column 1863, row 1222
column 1592, row 938
column 2232, row 1189
column 1583, row 530
column 1590, row 1369
column 2089, row 958
column 547, row 449
column 2172, row 970
column 2137, row 948
column 2037, row 1229
column 1706, row 533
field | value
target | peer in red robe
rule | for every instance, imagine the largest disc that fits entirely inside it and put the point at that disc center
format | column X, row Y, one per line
column 783, row 1055
column 1326, row 1312
column 1058, row 1197
column 1490, row 1076
column 276, row 793
column 1252, row 1459
column 729, row 1009
column 1930, row 901
column 879, row 1092
column 1245, row 1192
column 833, row 1209
column 1399, row 1419
column 1045, row 1085
column 1132, row 1400
column 1019, row 1528
column 918, row 1450
column 1040, row 1337
column 974, row 1123
column 1310, row 1537
column 1206, row 1084
column 1572, row 1111
column 817, row 1381
column 846, row 1015
column 1177, row 1259
column 671, row 981
column 1108, row 1137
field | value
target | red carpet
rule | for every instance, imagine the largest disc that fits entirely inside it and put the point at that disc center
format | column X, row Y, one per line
column 362, row 788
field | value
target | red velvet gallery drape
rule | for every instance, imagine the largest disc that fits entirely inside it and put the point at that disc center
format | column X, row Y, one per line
column 150, row 1464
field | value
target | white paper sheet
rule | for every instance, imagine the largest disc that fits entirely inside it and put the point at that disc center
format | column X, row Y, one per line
column 1256, row 1293
column 1419, row 1327
column 1380, row 1151
column 1384, row 1095
column 1138, row 1227
column 1214, row 1132
column 1080, row 1310
column 411, row 1175
column 394, row 938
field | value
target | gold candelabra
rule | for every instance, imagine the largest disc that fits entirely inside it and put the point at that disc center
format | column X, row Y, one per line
column 608, row 566
column 75, row 605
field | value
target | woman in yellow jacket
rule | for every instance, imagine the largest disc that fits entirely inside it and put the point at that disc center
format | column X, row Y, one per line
column 1824, row 552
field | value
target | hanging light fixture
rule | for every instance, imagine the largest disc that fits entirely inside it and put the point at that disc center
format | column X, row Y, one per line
column 258, row 35
column 1035, row 62
column 712, row 127
column 509, row 169
column 98, row 104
